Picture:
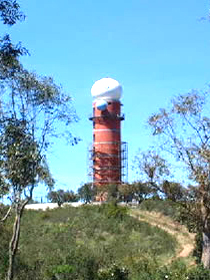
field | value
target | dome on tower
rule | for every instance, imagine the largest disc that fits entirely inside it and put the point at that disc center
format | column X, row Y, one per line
column 106, row 89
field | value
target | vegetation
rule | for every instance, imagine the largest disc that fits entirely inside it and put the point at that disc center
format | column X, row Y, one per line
column 31, row 107
column 61, row 196
column 87, row 192
column 185, row 132
column 84, row 243
column 152, row 168
column 94, row 242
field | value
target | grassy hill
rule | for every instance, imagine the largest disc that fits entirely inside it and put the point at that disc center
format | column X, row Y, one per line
column 96, row 243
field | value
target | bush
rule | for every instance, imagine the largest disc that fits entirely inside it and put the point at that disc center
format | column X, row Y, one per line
column 113, row 273
column 197, row 253
column 4, row 244
column 199, row 273
column 86, row 241
column 112, row 210
column 166, row 207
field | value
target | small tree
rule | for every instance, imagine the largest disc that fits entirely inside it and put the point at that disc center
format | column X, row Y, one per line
column 87, row 192
column 125, row 192
column 173, row 191
column 22, row 167
column 151, row 168
column 137, row 191
column 110, row 193
column 61, row 196
column 142, row 191
column 29, row 115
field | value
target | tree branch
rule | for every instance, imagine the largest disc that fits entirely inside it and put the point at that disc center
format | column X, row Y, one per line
column 7, row 215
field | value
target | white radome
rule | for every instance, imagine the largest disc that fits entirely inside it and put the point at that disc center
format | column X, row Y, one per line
column 106, row 89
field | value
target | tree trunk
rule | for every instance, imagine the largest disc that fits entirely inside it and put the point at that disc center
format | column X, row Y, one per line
column 205, row 259
column 13, row 246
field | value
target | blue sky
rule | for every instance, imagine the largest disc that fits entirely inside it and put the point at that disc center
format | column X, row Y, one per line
column 155, row 49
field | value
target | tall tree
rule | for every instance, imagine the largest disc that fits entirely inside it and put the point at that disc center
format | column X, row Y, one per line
column 9, row 53
column 32, row 108
column 184, row 131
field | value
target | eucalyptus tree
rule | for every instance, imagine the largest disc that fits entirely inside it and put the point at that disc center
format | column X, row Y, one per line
column 61, row 196
column 33, row 110
column 10, row 53
column 183, row 129
column 174, row 191
column 151, row 168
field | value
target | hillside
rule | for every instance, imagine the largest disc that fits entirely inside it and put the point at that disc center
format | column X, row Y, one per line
column 100, row 243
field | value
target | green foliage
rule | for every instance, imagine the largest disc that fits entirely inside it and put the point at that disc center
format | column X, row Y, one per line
column 83, row 243
column 173, row 191
column 62, row 272
column 138, row 191
column 182, row 213
column 80, row 243
column 113, row 273
column 31, row 109
column 197, row 253
column 9, row 53
column 63, row 269
column 166, row 207
column 199, row 273
column 10, row 12
column 87, row 192
column 177, row 270
column 61, row 196
column 188, row 216
column 148, row 269
column 151, row 167
column 184, row 129
column 110, row 192
column 21, row 163
column 112, row 210
column 4, row 256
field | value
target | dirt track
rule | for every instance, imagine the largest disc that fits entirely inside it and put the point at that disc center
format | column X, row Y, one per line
column 185, row 240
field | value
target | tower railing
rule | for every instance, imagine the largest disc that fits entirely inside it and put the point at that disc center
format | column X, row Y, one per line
column 120, row 117
column 122, row 164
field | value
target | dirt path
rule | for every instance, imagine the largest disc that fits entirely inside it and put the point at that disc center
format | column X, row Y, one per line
column 185, row 240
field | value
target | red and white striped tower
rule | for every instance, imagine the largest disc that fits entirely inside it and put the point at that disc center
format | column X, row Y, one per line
column 107, row 145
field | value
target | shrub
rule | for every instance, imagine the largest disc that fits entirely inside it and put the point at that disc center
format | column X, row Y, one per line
column 197, row 253
column 199, row 273
column 112, row 210
column 113, row 273
column 86, row 241
column 165, row 207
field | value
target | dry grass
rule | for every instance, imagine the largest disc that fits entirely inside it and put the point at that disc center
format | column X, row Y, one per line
column 185, row 239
